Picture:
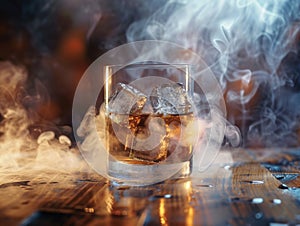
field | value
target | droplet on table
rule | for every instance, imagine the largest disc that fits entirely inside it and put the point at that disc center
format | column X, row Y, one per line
column 89, row 210
column 257, row 182
column 276, row 201
column 257, row 200
column 167, row 196
column 205, row 185
column 254, row 181
column 283, row 186
column 227, row 167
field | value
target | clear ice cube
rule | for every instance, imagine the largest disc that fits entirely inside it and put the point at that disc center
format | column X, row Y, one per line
column 126, row 100
column 170, row 99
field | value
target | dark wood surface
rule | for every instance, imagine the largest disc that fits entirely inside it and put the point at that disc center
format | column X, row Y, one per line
column 242, row 187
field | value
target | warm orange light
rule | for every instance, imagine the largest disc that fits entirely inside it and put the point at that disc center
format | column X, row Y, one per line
column 162, row 212
column 72, row 47
column 190, row 216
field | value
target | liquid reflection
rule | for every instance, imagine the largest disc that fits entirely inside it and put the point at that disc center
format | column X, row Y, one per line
column 170, row 204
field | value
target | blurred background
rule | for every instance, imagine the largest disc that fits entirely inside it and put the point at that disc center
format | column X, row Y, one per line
column 252, row 46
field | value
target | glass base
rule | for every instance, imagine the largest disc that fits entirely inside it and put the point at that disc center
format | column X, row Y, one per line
column 185, row 171
column 139, row 175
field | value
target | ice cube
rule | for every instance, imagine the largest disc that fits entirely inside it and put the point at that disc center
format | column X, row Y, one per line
column 170, row 99
column 150, row 135
column 126, row 100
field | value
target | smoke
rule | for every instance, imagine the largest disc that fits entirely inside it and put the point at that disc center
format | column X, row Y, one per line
column 27, row 144
column 252, row 47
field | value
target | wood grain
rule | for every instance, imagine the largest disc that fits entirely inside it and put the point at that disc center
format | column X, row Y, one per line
column 236, row 190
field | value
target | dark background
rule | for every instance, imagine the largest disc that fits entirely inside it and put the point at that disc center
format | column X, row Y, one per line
column 57, row 40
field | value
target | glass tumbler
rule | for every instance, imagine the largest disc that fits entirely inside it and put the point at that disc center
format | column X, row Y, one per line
column 150, row 124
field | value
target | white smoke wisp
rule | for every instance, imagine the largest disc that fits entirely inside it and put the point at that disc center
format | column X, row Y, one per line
column 20, row 152
column 249, row 46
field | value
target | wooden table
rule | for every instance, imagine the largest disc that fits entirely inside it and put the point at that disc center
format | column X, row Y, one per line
column 242, row 187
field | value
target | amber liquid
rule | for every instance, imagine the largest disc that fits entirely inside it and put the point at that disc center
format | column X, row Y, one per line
column 148, row 138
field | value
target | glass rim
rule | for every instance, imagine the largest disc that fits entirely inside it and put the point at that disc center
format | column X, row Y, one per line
column 150, row 64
